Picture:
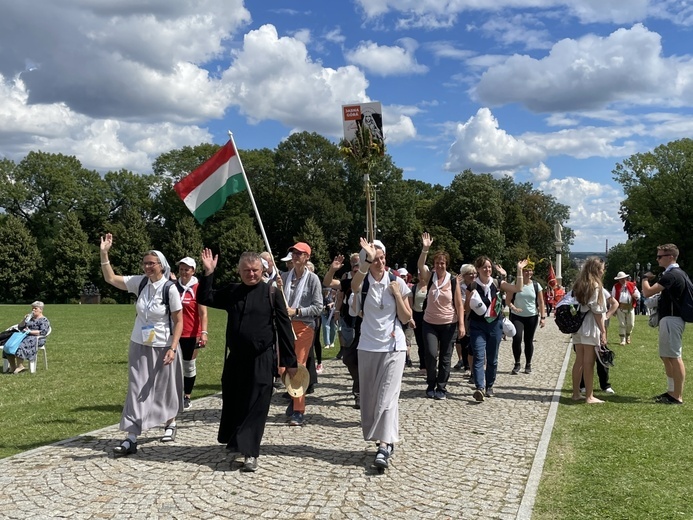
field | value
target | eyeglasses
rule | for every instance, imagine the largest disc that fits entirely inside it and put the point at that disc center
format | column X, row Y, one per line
column 662, row 256
column 150, row 264
column 296, row 253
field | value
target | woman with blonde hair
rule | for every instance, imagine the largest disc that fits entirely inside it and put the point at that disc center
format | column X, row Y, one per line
column 587, row 290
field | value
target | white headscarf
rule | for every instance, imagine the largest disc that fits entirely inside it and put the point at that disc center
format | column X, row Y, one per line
column 164, row 263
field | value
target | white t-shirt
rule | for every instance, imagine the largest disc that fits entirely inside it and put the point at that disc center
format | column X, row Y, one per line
column 380, row 317
column 152, row 321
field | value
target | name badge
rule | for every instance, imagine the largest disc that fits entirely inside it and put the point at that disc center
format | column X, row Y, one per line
column 148, row 335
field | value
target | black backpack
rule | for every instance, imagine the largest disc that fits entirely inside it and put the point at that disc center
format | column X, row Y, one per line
column 685, row 301
column 165, row 296
column 568, row 316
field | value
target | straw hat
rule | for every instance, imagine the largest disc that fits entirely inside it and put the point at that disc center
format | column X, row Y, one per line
column 296, row 386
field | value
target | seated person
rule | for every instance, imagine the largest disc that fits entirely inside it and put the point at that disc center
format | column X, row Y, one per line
column 37, row 326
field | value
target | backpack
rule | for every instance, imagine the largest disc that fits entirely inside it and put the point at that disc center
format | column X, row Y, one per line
column 536, row 295
column 685, row 301
column 164, row 296
column 568, row 316
column 453, row 286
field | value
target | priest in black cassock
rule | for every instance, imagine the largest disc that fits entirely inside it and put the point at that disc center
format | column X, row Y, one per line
column 246, row 382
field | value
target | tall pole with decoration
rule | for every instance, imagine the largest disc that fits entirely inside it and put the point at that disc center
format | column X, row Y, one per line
column 363, row 146
column 557, row 228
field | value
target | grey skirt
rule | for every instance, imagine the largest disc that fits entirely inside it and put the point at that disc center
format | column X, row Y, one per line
column 155, row 390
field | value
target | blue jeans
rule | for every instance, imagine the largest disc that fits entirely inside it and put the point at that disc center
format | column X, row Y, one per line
column 484, row 340
column 329, row 329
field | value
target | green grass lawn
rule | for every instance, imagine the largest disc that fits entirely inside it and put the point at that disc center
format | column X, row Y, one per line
column 629, row 458
column 84, row 386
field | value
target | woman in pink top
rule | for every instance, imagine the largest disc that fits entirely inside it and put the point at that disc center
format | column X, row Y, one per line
column 443, row 316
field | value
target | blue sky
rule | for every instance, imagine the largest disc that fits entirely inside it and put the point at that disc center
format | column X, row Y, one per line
column 552, row 92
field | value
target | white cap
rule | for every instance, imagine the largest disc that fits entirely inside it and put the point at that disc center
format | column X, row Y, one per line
column 402, row 271
column 287, row 257
column 188, row 261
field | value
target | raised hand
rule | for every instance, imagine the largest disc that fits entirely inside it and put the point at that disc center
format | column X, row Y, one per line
column 500, row 270
column 522, row 263
column 338, row 262
column 368, row 248
column 106, row 243
column 426, row 240
column 209, row 261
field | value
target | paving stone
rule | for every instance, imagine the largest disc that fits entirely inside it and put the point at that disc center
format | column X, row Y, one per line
column 457, row 458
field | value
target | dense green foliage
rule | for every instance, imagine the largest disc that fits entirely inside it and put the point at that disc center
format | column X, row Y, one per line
column 657, row 209
column 305, row 189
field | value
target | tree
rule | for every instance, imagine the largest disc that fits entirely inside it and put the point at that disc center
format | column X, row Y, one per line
column 312, row 234
column 232, row 243
column 130, row 242
column 657, row 208
column 186, row 240
column 20, row 260
column 69, row 266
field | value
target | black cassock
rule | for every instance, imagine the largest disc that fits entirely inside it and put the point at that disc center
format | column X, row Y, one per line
column 246, row 382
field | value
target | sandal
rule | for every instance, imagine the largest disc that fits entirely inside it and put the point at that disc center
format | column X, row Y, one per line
column 169, row 434
column 126, row 448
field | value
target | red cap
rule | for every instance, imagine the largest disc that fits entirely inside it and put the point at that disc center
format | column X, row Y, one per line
column 301, row 247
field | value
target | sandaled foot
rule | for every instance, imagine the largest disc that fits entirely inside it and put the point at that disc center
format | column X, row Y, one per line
column 126, row 448
column 169, row 434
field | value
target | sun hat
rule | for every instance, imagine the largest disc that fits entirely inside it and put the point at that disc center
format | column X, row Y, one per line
column 476, row 304
column 188, row 261
column 508, row 328
column 296, row 386
column 621, row 275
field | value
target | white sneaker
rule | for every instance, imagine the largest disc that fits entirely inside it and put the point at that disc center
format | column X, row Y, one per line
column 623, row 341
column 582, row 390
column 610, row 391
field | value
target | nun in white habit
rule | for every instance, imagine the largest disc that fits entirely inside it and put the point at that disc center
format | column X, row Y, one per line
column 155, row 371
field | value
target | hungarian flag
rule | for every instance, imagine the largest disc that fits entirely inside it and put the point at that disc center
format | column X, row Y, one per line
column 205, row 190
column 552, row 277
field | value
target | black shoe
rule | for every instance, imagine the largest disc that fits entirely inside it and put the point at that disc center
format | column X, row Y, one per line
column 490, row 392
column 186, row 403
column 458, row 366
column 479, row 394
column 126, row 447
column 286, row 395
column 528, row 368
column 310, row 389
column 357, row 402
column 408, row 363
column 250, row 464
column 430, row 393
column 668, row 399
column 440, row 395
column 516, row 369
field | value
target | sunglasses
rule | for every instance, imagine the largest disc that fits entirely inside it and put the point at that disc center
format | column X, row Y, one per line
column 662, row 256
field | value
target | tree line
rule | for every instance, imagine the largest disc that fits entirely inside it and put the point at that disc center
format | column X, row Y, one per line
column 53, row 211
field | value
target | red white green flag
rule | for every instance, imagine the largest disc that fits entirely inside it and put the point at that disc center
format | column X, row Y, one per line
column 205, row 190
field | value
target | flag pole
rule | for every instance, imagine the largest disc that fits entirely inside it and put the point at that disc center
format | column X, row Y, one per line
column 252, row 199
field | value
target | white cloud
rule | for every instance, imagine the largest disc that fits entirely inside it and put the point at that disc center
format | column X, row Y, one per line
column 274, row 78
column 593, row 210
column 385, row 60
column 517, row 29
column 444, row 13
column 586, row 141
column 590, row 73
column 541, row 172
column 483, row 147
column 443, row 49
column 108, row 60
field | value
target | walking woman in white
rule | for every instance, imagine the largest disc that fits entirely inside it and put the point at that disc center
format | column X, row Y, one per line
column 382, row 348
column 155, row 374
column 627, row 295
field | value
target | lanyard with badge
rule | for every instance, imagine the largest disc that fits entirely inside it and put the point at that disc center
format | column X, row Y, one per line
column 148, row 333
